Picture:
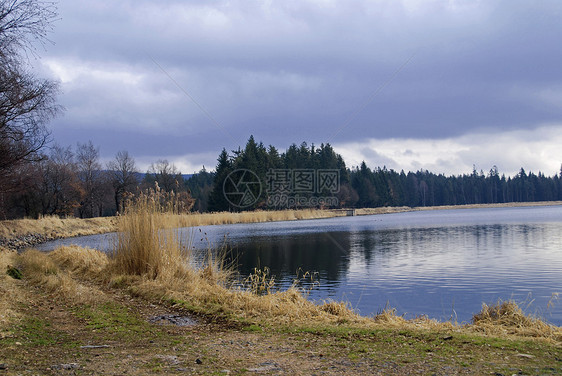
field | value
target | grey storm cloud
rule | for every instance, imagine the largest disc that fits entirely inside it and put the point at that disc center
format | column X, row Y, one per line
column 292, row 71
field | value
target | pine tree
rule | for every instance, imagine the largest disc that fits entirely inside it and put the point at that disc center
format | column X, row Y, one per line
column 217, row 198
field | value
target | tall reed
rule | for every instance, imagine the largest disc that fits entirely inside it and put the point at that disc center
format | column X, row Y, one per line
column 144, row 245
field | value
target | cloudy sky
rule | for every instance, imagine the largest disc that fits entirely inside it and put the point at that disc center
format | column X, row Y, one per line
column 434, row 84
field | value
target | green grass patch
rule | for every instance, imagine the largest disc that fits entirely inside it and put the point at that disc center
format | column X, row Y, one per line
column 253, row 328
column 112, row 318
column 502, row 355
column 14, row 272
column 33, row 331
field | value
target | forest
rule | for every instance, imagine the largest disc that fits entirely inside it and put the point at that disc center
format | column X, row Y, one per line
column 362, row 186
column 67, row 182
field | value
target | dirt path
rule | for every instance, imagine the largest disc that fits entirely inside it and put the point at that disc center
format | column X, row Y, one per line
column 118, row 338
column 121, row 337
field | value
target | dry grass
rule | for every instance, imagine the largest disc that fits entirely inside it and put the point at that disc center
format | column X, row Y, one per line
column 507, row 318
column 383, row 210
column 224, row 218
column 9, row 291
column 54, row 227
column 207, row 290
column 81, row 261
column 41, row 269
column 388, row 318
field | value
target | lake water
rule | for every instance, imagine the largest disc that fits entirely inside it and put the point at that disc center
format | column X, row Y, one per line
column 441, row 263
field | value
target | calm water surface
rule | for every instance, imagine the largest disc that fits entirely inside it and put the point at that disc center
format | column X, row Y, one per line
column 442, row 263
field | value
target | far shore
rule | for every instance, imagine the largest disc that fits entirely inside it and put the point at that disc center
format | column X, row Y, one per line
column 22, row 233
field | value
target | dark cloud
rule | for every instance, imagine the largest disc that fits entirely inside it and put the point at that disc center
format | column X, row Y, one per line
column 288, row 71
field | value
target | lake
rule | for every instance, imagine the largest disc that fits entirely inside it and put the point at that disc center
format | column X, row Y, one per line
column 441, row 263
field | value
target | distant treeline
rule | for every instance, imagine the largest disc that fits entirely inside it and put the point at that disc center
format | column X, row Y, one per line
column 70, row 182
column 261, row 161
column 365, row 187
column 73, row 182
column 382, row 187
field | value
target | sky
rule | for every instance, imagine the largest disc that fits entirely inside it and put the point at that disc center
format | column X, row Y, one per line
column 440, row 85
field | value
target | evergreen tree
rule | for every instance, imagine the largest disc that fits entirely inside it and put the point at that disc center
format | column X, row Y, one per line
column 291, row 157
column 200, row 186
column 217, row 198
column 274, row 160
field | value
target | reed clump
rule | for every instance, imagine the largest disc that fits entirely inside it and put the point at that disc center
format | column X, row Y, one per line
column 144, row 246
column 507, row 318
column 260, row 282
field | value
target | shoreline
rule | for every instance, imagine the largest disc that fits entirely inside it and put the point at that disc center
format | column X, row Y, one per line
column 103, row 307
column 19, row 234
column 77, row 296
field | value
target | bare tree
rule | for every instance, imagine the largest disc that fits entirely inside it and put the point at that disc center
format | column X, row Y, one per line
column 169, row 178
column 92, row 178
column 123, row 175
column 22, row 19
column 61, row 191
column 27, row 103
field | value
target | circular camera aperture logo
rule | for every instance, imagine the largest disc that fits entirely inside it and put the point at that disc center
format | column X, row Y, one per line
column 242, row 188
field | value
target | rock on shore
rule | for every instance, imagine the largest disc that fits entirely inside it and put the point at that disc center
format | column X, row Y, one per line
column 24, row 241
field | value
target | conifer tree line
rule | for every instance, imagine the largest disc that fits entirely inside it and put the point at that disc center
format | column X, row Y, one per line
column 257, row 158
column 68, row 181
column 364, row 187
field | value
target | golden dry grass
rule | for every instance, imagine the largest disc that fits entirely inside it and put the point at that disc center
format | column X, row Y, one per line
column 54, row 227
column 9, row 291
column 383, row 210
column 507, row 318
column 224, row 218
column 81, row 261
column 207, row 290
column 41, row 269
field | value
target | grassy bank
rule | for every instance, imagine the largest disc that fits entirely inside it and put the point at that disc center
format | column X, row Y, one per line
column 71, row 299
column 64, row 317
column 53, row 227
column 73, row 312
